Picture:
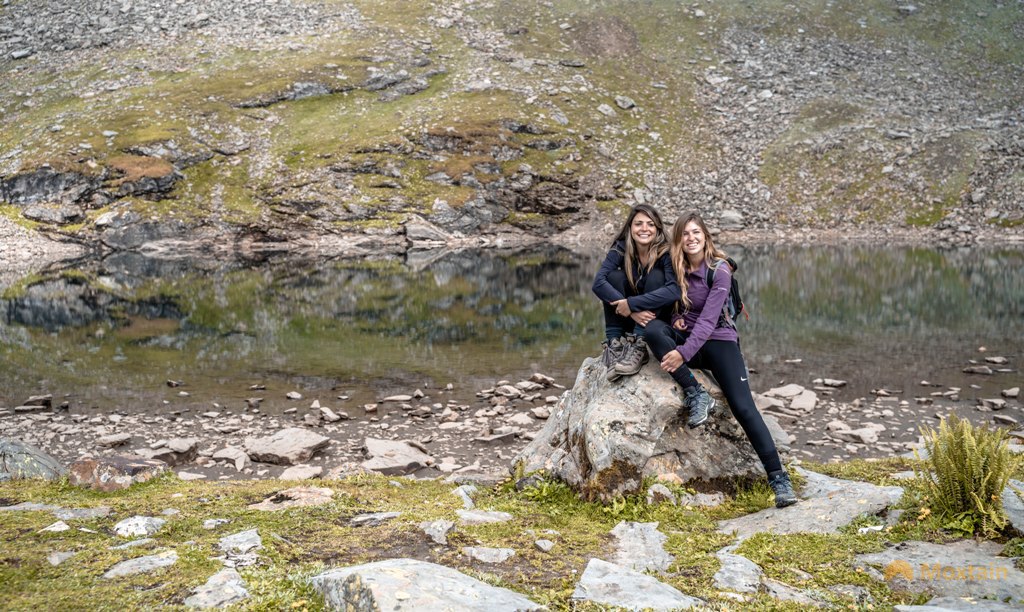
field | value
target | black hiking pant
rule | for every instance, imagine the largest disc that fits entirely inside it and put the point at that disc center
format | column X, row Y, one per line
column 724, row 361
column 616, row 326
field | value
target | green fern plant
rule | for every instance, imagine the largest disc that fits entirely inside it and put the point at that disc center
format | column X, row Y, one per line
column 964, row 475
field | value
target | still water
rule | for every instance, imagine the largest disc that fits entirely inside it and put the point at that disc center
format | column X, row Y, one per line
column 110, row 333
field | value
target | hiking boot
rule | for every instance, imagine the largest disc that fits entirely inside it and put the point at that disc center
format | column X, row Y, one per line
column 633, row 358
column 613, row 351
column 783, row 488
column 700, row 403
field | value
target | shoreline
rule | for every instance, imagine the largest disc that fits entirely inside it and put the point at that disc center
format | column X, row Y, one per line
column 24, row 252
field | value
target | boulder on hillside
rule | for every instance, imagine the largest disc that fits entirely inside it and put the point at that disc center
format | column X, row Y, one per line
column 20, row 460
column 603, row 438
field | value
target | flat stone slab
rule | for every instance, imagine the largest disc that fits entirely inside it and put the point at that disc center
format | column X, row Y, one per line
column 374, row 518
column 959, row 604
column 480, row 517
column 296, row 497
column 222, row 589
column 65, row 514
column 142, row 565
column 137, row 526
column 394, row 457
column 641, row 547
column 488, row 555
column 826, row 505
column 962, row 569
column 609, row 584
column 409, row 584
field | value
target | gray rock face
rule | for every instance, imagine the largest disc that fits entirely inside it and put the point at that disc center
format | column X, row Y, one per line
column 479, row 517
column 222, row 589
column 1014, row 505
column 142, row 565
column 603, row 438
column 640, row 547
column 114, row 473
column 962, row 569
column 827, row 504
column 20, row 460
column 286, row 447
column 608, row 584
column 394, row 457
column 409, row 584
column 373, row 519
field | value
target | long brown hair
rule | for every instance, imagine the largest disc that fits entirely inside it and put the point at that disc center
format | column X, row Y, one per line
column 712, row 255
column 658, row 248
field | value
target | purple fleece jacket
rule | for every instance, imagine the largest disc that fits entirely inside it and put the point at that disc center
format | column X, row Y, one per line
column 706, row 305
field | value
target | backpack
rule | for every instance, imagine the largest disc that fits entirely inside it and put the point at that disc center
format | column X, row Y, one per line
column 734, row 303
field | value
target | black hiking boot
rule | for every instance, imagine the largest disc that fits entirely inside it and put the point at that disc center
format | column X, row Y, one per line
column 700, row 404
column 783, row 488
column 634, row 357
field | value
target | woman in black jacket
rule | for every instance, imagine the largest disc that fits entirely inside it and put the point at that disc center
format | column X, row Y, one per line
column 636, row 284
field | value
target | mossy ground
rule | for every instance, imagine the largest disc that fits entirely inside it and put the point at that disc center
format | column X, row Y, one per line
column 299, row 543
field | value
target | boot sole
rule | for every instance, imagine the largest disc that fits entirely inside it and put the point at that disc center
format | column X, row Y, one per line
column 785, row 503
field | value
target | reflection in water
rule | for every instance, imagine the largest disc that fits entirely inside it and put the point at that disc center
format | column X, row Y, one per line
column 879, row 318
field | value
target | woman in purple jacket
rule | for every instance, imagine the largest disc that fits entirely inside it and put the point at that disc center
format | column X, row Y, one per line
column 699, row 337
column 637, row 284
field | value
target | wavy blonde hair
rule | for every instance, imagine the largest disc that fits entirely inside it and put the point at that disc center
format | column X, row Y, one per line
column 712, row 254
column 658, row 248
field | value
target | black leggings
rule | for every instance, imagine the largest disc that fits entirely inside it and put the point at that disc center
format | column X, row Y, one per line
column 725, row 363
column 616, row 325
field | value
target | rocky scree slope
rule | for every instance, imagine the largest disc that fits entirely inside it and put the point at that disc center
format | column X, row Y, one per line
column 276, row 123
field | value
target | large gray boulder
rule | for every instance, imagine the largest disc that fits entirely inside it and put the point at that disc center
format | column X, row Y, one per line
column 20, row 460
column 603, row 438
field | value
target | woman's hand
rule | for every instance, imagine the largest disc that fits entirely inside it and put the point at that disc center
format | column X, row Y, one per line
column 671, row 361
column 621, row 308
column 679, row 324
column 643, row 317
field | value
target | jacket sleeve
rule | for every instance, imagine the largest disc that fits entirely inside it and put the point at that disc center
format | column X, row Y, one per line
column 662, row 296
column 602, row 288
column 707, row 320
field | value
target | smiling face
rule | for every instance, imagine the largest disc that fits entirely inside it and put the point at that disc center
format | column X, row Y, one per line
column 693, row 241
column 643, row 231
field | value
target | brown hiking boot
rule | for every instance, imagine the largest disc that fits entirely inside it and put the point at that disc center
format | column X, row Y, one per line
column 634, row 357
column 611, row 352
